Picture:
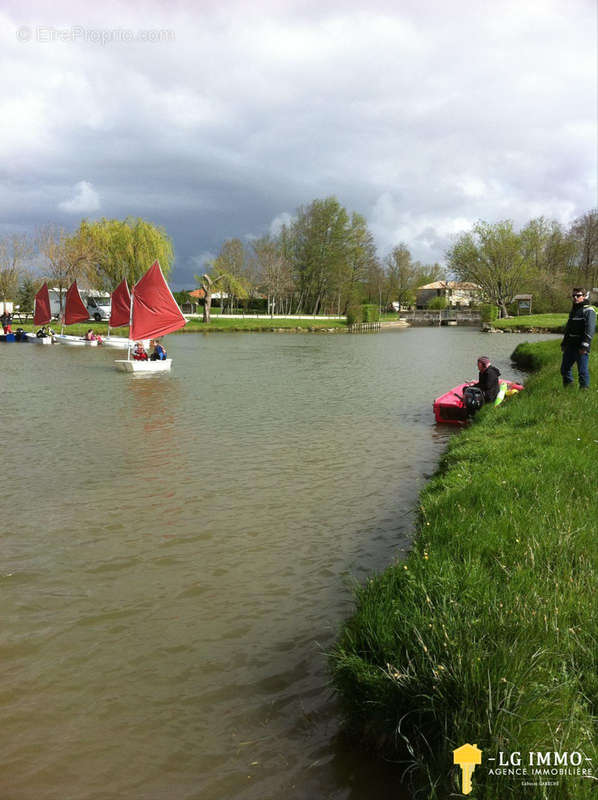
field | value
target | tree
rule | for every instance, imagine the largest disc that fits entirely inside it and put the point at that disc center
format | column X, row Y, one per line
column 401, row 275
column 359, row 262
column 549, row 253
column 273, row 271
column 584, row 235
column 208, row 284
column 124, row 249
column 67, row 256
column 15, row 250
column 232, row 264
column 491, row 256
column 317, row 247
column 26, row 294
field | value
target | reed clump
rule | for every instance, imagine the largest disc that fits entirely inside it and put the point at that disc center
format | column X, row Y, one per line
column 487, row 632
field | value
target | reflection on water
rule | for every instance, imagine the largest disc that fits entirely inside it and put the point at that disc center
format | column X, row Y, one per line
column 178, row 554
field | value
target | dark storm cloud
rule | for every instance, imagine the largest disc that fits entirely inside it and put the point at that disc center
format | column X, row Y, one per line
column 424, row 117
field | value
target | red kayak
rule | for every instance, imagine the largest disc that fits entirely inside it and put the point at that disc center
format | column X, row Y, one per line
column 450, row 407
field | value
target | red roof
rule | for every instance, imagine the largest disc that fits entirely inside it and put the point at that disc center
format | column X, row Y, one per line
column 199, row 293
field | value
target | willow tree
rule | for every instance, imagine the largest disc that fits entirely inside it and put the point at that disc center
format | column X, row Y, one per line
column 491, row 256
column 125, row 249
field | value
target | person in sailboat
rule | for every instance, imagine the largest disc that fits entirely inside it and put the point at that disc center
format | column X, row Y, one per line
column 91, row 336
column 139, row 353
column 159, row 352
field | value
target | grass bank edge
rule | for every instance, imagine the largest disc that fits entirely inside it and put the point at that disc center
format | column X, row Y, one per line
column 542, row 323
column 218, row 325
column 486, row 633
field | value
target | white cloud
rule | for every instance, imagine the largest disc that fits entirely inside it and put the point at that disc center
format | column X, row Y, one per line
column 84, row 201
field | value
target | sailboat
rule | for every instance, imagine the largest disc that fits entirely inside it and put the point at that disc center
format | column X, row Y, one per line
column 41, row 314
column 153, row 312
column 74, row 311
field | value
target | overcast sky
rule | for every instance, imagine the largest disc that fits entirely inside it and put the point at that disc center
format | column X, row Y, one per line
column 423, row 116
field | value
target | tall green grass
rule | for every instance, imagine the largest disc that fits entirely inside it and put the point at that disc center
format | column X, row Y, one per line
column 487, row 632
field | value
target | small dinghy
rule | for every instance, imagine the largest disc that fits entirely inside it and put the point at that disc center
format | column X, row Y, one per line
column 33, row 337
column 75, row 341
column 450, row 407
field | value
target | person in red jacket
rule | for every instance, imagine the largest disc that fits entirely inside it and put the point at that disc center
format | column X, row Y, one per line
column 139, row 353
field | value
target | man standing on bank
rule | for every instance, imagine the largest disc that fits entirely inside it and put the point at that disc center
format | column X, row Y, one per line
column 577, row 340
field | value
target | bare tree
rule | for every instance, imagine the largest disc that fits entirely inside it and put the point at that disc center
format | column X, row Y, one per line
column 584, row 233
column 15, row 250
column 274, row 271
column 67, row 256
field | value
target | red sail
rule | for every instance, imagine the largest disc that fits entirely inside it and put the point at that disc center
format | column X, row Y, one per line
column 41, row 313
column 74, row 309
column 155, row 311
column 120, row 310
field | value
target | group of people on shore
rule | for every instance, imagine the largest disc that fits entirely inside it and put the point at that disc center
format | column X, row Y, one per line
column 158, row 352
column 575, row 347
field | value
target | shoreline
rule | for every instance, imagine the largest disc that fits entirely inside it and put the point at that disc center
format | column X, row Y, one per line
column 486, row 632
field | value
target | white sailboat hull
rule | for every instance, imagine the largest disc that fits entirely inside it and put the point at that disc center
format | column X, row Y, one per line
column 39, row 339
column 123, row 344
column 144, row 366
column 75, row 341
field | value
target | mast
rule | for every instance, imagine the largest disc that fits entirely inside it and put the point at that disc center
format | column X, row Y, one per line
column 130, row 323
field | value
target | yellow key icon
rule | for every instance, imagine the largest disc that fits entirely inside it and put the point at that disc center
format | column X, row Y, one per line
column 468, row 756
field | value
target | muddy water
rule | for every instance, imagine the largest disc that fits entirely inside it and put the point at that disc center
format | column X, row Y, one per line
column 177, row 553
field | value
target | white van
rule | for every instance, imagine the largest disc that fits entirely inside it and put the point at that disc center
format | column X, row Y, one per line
column 98, row 307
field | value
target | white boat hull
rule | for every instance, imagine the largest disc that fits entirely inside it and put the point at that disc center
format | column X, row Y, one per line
column 144, row 366
column 123, row 344
column 39, row 339
column 75, row 341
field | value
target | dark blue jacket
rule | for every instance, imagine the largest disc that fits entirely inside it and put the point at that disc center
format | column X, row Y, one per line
column 580, row 327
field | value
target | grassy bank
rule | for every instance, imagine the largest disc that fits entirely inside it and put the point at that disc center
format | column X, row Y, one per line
column 551, row 323
column 487, row 632
column 217, row 325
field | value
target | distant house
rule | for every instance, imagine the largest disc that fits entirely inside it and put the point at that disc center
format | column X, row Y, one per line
column 456, row 294
column 199, row 294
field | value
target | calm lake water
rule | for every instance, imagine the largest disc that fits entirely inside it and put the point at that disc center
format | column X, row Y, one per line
column 178, row 552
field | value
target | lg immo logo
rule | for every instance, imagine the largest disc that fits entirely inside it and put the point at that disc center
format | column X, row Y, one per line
column 535, row 765
column 468, row 756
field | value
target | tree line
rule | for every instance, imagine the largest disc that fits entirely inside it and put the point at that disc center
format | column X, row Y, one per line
column 324, row 261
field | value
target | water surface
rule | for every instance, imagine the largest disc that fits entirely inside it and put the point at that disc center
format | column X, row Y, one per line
column 178, row 552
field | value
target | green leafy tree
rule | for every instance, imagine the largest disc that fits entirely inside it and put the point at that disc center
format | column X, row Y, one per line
column 401, row 275
column 492, row 257
column 231, row 268
column 317, row 245
column 124, row 249
column 26, row 294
